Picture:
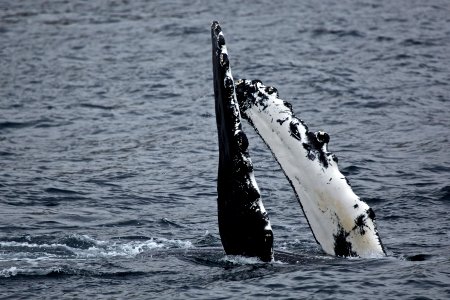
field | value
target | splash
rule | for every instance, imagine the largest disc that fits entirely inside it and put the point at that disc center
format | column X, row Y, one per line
column 38, row 252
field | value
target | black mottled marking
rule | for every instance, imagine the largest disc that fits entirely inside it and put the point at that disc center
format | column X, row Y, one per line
column 313, row 142
column 315, row 149
column 271, row 90
column 360, row 223
column 244, row 95
column 221, row 41
column 355, row 206
column 322, row 137
column 251, row 93
column 309, row 155
column 334, row 158
column 261, row 100
column 289, row 106
column 293, row 129
column 229, row 84
column 307, row 147
column 282, row 121
column 216, row 28
column 242, row 140
column 224, row 62
column 341, row 246
column 249, row 86
column 263, row 95
column 371, row 214
column 304, row 124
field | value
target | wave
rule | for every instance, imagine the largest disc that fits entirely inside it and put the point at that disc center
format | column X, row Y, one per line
column 79, row 255
column 337, row 32
column 78, row 247
column 63, row 271
column 38, row 123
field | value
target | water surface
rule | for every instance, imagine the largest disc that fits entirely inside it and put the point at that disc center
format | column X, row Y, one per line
column 108, row 145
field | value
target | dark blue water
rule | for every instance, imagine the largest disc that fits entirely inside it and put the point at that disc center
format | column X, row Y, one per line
column 108, row 145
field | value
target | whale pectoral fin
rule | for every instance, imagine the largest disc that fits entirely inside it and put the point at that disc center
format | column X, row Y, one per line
column 340, row 222
column 244, row 225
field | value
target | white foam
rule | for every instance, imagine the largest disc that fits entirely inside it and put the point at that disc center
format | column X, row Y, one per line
column 241, row 260
column 12, row 271
column 23, row 250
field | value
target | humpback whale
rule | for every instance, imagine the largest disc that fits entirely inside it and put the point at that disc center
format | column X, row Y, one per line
column 342, row 224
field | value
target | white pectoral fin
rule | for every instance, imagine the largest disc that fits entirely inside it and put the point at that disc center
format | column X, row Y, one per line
column 341, row 223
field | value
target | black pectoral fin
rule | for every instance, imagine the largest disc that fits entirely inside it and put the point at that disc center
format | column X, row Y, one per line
column 243, row 224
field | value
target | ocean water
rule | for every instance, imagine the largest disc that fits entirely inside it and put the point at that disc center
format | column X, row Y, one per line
column 108, row 146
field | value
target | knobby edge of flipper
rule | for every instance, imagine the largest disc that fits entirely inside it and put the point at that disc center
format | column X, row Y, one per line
column 341, row 223
column 244, row 224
